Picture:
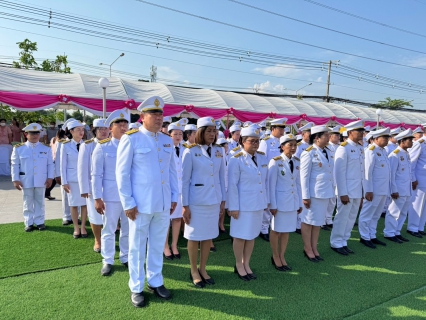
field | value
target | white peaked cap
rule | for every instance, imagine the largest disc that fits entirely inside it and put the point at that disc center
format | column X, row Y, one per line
column 154, row 103
column 117, row 115
column 404, row 134
column 251, row 131
column 32, row 127
column 288, row 137
column 178, row 125
column 206, row 122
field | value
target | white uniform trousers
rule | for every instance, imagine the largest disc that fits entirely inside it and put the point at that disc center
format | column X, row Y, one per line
column 66, row 211
column 416, row 213
column 94, row 216
column 330, row 210
column 343, row 223
column 153, row 227
column 395, row 216
column 113, row 212
column 369, row 216
column 266, row 221
column 33, row 206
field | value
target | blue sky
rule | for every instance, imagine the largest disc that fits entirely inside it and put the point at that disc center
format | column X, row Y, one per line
column 406, row 14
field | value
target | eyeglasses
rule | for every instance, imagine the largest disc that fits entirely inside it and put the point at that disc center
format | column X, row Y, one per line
column 253, row 141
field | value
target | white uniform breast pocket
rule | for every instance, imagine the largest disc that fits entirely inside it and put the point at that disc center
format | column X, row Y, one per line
column 141, row 155
column 110, row 161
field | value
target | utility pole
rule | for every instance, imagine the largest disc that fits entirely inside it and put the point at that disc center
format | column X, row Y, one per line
column 327, row 93
column 153, row 73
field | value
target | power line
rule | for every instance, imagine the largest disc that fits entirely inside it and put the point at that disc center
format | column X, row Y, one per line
column 325, row 28
column 365, row 19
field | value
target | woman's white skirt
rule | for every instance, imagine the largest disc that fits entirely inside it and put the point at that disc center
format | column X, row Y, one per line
column 247, row 226
column 178, row 211
column 74, row 197
column 204, row 223
column 315, row 215
column 284, row 221
column 94, row 216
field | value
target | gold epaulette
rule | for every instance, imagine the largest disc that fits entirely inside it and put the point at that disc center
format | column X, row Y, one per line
column 261, row 152
column 277, row 158
column 372, row 147
column 218, row 145
column 68, row 141
column 185, row 145
column 396, row 151
column 192, row 146
column 132, row 131
column 296, row 158
column 236, row 148
column 89, row 141
column 343, row 144
column 105, row 140
column 299, row 143
column 18, row 145
column 239, row 154
column 62, row 140
column 421, row 141
column 268, row 137
column 166, row 134
column 309, row 149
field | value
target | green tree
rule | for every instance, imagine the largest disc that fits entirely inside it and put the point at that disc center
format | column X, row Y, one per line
column 46, row 65
column 77, row 115
column 394, row 103
column 26, row 58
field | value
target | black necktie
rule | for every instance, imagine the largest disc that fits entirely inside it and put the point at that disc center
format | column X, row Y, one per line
column 291, row 165
column 209, row 151
column 177, row 151
column 254, row 160
column 78, row 147
column 325, row 153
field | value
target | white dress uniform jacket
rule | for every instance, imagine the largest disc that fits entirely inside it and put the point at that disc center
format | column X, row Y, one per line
column 146, row 172
column 84, row 165
column 377, row 171
column 203, row 178
column 247, row 187
column 270, row 146
column 58, row 157
column 232, row 144
column 65, row 206
column 400, row 165
column 301, row 146
column 418, row 162
column 69, row 161
column 390, row 147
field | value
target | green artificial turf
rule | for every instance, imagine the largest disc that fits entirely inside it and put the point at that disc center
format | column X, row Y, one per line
column 371, row 284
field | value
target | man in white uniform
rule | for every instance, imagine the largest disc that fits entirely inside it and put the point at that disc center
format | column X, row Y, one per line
column 376, row 188
column 235, row 130
column 392, row 144
column 32, row 173
column 401, row 186
column 271, row 147
column 349, row 178
column 148, row 188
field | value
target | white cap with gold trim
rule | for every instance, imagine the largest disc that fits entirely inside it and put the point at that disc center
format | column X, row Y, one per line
column 153, row 104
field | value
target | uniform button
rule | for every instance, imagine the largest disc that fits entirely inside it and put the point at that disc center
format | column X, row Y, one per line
column 162, row 171
column 261, row 191
column 212, row 175
column 292, row 185
column 212, row 185
column 160, row 160
column 158, row 149
column 260, row 182
column 292, row 192
column 211, row 165
column 162, row 182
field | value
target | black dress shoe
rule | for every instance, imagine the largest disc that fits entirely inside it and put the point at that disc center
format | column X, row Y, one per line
column 264, row 236
column 176, row 256
column 84, row 235
column 213, row 249
column 66, row 222
column 319, row 258
column 367, row 243
column 208, row 281
column 287, row 268
column 137, row 300
column 222, row 231
column 41, row 227
column 402, row 238
column 348, row 250
column 252, row 276
column 50, row 198
column 76, row 236
column 29, row 229
column 325, row 228
column 330, row 225
column 340, row 250
column 422, row 233
column 299, row 231
column 170, row 257
column 126, row 265
column 415, row 234
column 279, row 268
column 199, row 284
column 161, row 292
column 310, row 259
column 244, row 278
column 106, row 270
column 394, row 239
column 377, row 241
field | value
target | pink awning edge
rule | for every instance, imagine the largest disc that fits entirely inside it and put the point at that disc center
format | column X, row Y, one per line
column 35, row 102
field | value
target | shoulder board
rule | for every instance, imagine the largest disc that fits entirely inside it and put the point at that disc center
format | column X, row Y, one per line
column 105, row 140
column 236, row 148
column 68, row 141
column 299, row 143
column 19, row 145
column 396, row 151
column 192, row 146
column 260, row 152
column 296, row 158
column 132, row 131
column 166, row 134
column 89, row 141
column 218, row 145
column 372, row 147
column 277, row 158
column 47, row 145
column 268, row 137
column 238, row 155
column 343, row 144
column 62, row 140
column 309, row 149
column 421, row 141
column 185, row 145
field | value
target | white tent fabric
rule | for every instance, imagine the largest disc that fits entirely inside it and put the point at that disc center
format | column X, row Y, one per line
column 86, row 86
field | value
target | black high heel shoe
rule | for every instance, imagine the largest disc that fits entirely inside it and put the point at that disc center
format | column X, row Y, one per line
column 287, row 268
column 279, row 268
column 200, row 284
column 208, row 281
column 244, row 278
column 310, row 259
column 319, row 258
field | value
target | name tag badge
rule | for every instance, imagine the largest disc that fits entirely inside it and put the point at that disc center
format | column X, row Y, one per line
column 264, row 165
column 218, row 154
column 280, row 165
column 167, row 145
column 282, row 173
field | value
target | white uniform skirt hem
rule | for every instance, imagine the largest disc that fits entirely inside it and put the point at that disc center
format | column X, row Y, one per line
column 178, row 211
column 247, row 226
column 74, row 197
column 94, row 216
column 204, row 224
column 284, row 221
column 315, row 215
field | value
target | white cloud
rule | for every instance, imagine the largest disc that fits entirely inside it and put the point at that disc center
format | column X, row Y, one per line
column 279, row 88
column 279, row 70
column 267, row 86
column 417, row 62
column 319, row 79
column 165, row 72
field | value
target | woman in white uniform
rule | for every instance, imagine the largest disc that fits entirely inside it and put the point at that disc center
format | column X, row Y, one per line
column 317, row 184
column 176, row 133
column 247, row 198
column 100, row 132
column 224, row 144
column 203, row 196
column 285, row 199
column 69, row 179
column 189, row 134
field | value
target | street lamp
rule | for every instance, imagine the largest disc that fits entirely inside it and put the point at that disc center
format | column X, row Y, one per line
column 378, row 113
column 104, row 83
column 302, row 88
column 110, row 65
